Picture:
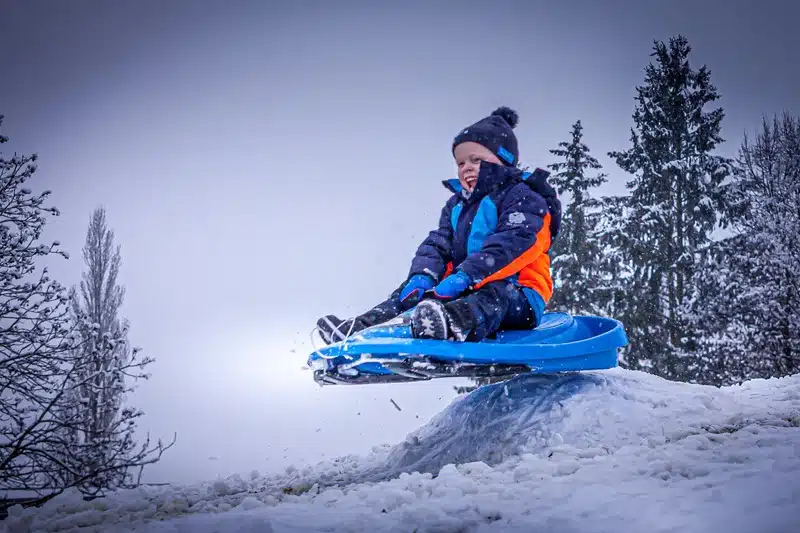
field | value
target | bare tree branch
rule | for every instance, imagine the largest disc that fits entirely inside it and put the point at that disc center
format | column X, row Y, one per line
column 63, row 368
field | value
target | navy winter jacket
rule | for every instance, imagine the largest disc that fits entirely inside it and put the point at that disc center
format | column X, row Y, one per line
column 502, row 230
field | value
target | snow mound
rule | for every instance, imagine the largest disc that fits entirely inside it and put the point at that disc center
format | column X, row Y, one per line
column 597, row 451
column 583, row 414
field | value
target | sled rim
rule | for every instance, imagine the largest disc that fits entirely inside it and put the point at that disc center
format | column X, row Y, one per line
column 556, row 344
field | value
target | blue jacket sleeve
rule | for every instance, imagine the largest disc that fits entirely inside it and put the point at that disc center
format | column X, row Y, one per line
column 519, row 238
column 437, row 249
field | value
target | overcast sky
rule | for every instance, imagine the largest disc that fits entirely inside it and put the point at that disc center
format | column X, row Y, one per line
column 265, row 163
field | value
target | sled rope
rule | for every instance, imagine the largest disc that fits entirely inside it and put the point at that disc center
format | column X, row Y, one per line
column 316, row 330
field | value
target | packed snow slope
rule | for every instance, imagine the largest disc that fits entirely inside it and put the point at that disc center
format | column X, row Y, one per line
column 613, row 451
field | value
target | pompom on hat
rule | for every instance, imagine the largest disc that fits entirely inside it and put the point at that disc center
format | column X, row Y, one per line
column 495, row 132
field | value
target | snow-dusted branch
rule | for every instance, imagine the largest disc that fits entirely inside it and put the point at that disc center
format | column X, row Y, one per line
column 58, row 364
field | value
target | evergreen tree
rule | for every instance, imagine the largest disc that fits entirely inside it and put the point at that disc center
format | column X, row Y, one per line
column 672, row 206
column 103, row 428
column 577, row 276
column 618, row 280
column 747, row 307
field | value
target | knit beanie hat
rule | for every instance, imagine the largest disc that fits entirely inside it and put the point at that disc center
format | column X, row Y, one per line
column 495, row 132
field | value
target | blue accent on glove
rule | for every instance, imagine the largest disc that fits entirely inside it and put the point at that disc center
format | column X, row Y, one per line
column 416, row 287
column 452, row 285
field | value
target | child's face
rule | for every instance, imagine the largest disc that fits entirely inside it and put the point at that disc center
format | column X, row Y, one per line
column 468, row 156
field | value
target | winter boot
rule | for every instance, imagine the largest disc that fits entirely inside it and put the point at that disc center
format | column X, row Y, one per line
column 333, row 329
column 432, row 319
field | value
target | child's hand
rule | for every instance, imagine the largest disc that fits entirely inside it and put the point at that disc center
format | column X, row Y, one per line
column 452, row 285
column 416, row 287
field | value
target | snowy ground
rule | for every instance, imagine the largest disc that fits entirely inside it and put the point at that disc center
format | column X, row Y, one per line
column 614, row 451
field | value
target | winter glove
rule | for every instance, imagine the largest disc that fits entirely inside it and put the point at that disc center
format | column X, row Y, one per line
column 452, row 286
column 415, row 288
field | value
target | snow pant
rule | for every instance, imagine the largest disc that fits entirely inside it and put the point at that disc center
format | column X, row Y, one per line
column 501, row 304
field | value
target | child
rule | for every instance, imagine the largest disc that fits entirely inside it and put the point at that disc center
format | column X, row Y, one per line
column 486, row 266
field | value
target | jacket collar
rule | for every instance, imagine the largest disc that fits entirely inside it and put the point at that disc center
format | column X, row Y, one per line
column 490, row 178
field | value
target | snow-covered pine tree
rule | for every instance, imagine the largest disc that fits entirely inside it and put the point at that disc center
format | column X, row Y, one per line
column 672, row 206
column 746, row 311
column 617, row 270
column 716, row 314
column 577, row 277
column 103, row 428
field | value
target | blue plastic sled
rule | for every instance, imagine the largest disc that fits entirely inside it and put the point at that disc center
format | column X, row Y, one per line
column 388, row 352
